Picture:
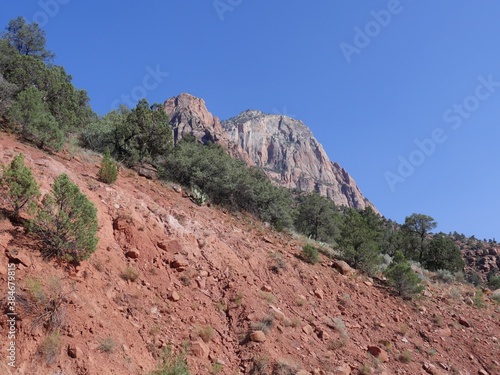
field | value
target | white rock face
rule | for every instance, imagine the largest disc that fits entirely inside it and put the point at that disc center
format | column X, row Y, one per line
column 283, row 147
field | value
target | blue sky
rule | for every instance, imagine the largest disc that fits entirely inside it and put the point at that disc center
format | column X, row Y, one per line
column 373, row 80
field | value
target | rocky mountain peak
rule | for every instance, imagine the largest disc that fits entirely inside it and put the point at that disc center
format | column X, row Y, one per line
column 283, row 147
column 189, row 115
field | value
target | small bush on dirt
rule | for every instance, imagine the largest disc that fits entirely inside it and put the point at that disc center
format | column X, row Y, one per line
column 269, row 297
column 403, row 278
column 198, row 196
column 172, row 364
column 216, row 368
column 494, row 282
column 18, row 185
column 107, row 345
column 264, row 325
column 66, row 223
column 495, row 296
column 44, row 304
column 310, row 254
column 406, row 357
column 206, row 333
column 444, row 276
column 479, row 299
column 130, row 274
column 284, row 368
column 343, row 335
column 108, row 173
column 50, row 347
column 259, row 366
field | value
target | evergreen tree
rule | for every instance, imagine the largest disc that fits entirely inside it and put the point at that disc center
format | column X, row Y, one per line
column 27, row 38
column 359, row 242
column 66, row 223
column 443, row 254
column 37, row 123
column 416, row 230
column 19, row 185
column 317, row 218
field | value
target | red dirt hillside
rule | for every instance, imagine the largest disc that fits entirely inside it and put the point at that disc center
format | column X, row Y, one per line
column 207, row 281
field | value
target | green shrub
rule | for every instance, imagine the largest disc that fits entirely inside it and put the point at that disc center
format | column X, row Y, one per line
column 171, row 364
column 19, row 185
column 495, row 296
column 402, row 277
column 444, row 276
column 474, row 278
column 66, row 223
column 478, row 299
column 108, row 173
column 494, row 282
column 198, row 196
column 310, row 254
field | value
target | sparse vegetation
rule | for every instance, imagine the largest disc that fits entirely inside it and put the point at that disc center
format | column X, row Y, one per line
column 129, row 274
column 259, row 366
column 172, row 364
column 278, row 263
column 343, row 336
column 284, row 368
column 50, row 347
column 478, row 299
column 216, row 368
column 264, row 325
column 238, row 299
column 221, row 305
column 444, row 276
column 268, row 297
column 107, row 345
column 198, row 196
column 44, row 304
column 406, row 357
column 310, row 254
column 108, row 173
column 495, row 296
column 206, row 333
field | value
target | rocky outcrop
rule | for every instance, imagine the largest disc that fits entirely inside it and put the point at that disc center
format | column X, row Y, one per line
column 288, row 152
column 283, row 147
column 189, row 115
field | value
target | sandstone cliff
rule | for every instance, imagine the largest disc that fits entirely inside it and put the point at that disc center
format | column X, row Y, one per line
column 283, row 147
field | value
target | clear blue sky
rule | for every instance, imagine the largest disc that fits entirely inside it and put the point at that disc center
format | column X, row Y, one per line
column 416, row 75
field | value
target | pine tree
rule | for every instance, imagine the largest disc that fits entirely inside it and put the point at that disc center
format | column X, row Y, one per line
column 19, row 185
column 66, row 223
